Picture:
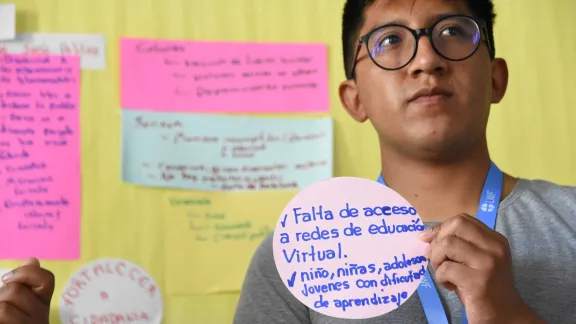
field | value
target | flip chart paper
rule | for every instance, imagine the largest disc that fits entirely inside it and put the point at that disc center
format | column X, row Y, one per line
column 350, row 248
column 39, row 157
column 7, row 21
column 90, row 47
column 224, row 153
column 111, row 291
column 163, row 75
column 215, row 230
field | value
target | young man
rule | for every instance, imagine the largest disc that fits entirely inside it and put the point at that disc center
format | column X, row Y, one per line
column 424, row 73
column 26, row 294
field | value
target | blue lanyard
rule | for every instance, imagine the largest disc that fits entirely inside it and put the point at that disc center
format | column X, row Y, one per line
column 487, row 210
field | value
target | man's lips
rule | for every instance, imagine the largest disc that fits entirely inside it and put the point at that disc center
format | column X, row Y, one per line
column 430, row 95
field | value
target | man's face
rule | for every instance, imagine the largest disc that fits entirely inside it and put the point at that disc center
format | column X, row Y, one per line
column 434, row 125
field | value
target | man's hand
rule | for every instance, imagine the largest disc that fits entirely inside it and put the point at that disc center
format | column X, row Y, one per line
column 26, row 294
column 475, row 262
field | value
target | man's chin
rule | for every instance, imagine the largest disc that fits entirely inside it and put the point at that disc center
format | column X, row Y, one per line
column 439, row 148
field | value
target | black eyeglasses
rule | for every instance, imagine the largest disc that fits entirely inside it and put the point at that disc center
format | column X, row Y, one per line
column 393, row 46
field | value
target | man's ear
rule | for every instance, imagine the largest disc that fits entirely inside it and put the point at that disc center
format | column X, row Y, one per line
column 350, row 99
column 499, row 79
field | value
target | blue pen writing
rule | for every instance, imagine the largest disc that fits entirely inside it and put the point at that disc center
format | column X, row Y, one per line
column 315, row 214
column 313, row 254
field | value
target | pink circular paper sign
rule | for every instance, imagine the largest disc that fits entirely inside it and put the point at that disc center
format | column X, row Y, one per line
column 350, row 248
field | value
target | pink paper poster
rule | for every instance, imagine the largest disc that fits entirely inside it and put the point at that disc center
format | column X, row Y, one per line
column 349, row 248
column 223, row 77
column 39, row 157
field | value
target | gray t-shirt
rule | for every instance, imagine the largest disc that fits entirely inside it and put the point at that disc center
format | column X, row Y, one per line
column 539, row 220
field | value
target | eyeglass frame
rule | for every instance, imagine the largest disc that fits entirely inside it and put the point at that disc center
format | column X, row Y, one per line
column 417, row 33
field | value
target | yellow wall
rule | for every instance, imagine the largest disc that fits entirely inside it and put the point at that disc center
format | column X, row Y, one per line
column 529, row 132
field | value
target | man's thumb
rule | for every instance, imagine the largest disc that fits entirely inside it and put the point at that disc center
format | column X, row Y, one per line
column 31, row 262
column 429, row 233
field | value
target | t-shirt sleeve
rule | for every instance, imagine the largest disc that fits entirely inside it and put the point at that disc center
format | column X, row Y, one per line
column 264, row 299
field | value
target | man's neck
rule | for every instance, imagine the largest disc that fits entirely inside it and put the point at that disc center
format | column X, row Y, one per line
column 440, row 190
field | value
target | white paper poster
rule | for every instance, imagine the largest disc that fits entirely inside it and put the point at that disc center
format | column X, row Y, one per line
column 7, row 21
column 111, row 291
column 90, row 47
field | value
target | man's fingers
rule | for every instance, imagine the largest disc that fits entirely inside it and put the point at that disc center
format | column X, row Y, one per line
column 40, row 281
column 10, row 314
column 430, row 233
column 468, row 229
column 451, row 225
column 22, row 298
column 452, row 248
column 452, row 275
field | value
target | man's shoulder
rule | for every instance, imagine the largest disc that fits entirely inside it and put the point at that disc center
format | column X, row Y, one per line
column 264, row 250
column 545, row 190
column 264, row 298
column 542, row 198
column 263, row 258
column 546, row 185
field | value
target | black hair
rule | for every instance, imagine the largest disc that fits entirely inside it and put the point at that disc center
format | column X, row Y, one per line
column 353, row 19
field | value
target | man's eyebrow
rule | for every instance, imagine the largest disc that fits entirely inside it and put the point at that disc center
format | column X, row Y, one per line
column 404, row 22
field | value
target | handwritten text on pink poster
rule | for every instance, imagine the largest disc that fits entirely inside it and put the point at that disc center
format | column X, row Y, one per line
column 39, row 157
column 220, row 77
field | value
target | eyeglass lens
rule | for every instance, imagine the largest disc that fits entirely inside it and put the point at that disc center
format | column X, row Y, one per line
column 454, row 38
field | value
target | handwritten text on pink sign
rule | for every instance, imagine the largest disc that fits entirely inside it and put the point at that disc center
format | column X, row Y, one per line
column 223, row 77
column 39, row 157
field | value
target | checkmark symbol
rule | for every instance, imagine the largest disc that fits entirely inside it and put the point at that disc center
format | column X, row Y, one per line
column 291, row 280
column 283, row 222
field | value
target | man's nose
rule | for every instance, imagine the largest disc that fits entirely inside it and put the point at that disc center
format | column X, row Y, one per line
column 426, row 60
